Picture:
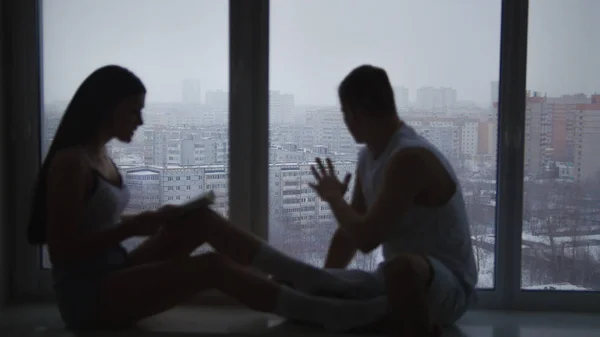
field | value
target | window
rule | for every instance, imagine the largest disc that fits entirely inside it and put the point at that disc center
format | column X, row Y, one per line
column 180, row 50
column 441, row 51
column 561, row 206
column 445, row 76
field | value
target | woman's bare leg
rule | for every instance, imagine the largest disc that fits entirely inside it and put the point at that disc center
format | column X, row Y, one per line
column 238, row 244
column 243, row 247
column 132, row 294
column 169, row 242
column 182, row 236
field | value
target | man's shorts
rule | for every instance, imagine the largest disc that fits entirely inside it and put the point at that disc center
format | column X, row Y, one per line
column 447, row 297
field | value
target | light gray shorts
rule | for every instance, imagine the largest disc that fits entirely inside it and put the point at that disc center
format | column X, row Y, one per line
column 447, row 297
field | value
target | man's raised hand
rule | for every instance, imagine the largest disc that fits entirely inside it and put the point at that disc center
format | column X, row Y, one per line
column 327, row 184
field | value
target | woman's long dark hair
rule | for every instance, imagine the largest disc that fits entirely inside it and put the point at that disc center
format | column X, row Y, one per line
column 89, row 111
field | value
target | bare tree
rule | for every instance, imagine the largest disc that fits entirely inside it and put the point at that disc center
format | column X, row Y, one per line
column 479, row 235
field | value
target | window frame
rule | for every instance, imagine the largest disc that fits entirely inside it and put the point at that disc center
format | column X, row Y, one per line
column 510, row 188
column 510, row 157
column 249, row 148
column 29, row 281
column 248, row 116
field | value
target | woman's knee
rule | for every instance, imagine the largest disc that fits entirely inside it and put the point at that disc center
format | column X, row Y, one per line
column 211, row 261
column 200, row 221
column 191, row 228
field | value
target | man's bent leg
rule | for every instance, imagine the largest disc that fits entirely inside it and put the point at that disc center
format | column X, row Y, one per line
column 407, row 279
column 446, row 296
column 423, row 293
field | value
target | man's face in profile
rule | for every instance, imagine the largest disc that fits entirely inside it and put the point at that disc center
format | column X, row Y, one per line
column 353, row 124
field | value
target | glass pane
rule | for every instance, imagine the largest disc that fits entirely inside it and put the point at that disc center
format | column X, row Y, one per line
column 180, row 50
column 444, row 72
column 561, row 228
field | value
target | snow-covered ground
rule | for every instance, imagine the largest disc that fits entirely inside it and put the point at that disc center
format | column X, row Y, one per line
column 557, row 286
column 486, row 269
column 590, row 249
column 485, row 259
column 545, row 239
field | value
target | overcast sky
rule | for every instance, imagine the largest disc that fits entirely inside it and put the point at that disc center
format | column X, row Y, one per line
column 314, row 43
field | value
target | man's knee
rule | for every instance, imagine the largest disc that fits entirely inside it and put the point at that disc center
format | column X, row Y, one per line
column 408, row 266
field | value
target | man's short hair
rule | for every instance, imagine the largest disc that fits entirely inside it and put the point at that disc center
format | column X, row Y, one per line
column 368, row 89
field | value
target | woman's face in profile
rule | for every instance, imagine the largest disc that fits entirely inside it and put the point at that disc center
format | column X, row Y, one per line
column 128, row 117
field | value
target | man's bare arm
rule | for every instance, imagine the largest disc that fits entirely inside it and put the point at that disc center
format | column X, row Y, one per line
column 409, row 175
column 342, row 248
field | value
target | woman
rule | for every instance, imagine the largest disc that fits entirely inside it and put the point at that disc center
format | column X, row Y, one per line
column 79, row 198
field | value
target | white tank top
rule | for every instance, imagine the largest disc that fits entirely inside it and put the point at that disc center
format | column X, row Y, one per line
column 441, row 232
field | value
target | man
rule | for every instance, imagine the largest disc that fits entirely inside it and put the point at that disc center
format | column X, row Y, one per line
column 407, row 200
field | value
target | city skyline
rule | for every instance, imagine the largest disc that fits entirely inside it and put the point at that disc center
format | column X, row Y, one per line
column 174, row 159
column 445, row 52
column 313, row 45
column 187, row 98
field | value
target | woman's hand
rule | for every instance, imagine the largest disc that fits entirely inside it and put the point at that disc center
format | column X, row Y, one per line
column 149, row 222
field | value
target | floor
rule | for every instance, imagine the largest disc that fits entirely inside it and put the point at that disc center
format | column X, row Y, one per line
column 42, row 320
